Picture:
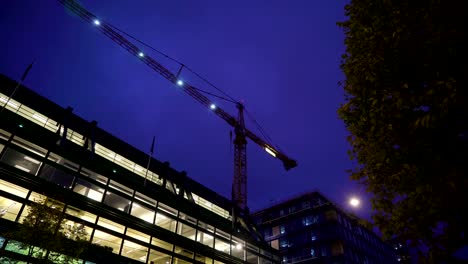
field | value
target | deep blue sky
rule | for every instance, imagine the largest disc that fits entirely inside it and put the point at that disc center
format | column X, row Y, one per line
column 281, row 57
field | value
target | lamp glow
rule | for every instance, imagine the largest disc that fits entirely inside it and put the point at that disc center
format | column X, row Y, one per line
column 212, row 106
column 97, row 22
column 269, row 151
column 141, row 54
column 239, row 246
column 180, row 82
column 354, row 202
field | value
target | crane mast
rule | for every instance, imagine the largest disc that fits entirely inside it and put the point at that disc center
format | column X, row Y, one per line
column 239, row 185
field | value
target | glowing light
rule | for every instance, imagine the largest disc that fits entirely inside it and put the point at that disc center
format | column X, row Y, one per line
column 141, row 55
column 20, row 125
column 180, row 82
column 212, row 106
column 114, row 171
column 354, row 202
column 267, row 149
column 239, row 246
column 97, row 22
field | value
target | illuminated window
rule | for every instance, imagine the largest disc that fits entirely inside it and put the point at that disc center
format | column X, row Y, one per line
column 9, row 209
column 13, row 189
column 134, row 251
column 89, row 217
column 165, row 222
column 312, row 252
column 138, row 235
column 180, row 261
column 142, row 212
column 186, row 230
column 4, row 135
column 62, row 161
column 157, row 257
column 29, row 146
column 183, row 252
column 205, row 238
column 117, row 202
column 145, row 199
column 107, row 240
column 56, row 175
column 221, row 245
column 93, row 175
column 124, row 189
column 89, row 190
column 21, row 161
column 75, row 231
column 282, row 229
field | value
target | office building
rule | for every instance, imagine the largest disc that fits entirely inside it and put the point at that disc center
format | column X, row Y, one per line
column 311, row 229
column 136, row 215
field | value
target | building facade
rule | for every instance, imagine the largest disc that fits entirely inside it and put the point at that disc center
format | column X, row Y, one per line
column 157, row 216
column 311, row 229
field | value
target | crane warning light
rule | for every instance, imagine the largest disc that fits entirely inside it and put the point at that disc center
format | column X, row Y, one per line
column 269, row 151
column 97, row 22
column 212, row 106
column 141, row 54
column 180, row 82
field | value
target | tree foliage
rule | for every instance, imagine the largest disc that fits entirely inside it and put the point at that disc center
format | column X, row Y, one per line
column 406, row 110
column 45, row 236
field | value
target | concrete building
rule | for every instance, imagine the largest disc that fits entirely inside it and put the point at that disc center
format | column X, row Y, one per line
column 141, row 216
column 311, row 229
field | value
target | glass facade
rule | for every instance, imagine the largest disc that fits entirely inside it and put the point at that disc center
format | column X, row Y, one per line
column 104, row 201
column 319, row 232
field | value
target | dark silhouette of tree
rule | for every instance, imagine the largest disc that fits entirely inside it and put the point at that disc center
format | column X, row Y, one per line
column 45, row 236
column 406, row 110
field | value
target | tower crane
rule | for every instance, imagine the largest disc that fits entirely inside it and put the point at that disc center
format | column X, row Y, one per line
column 239, row 184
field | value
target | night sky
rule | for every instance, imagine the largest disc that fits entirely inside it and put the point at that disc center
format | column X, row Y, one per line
column 280, row 57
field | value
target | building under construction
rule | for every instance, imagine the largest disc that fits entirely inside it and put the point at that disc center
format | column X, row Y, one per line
column 137, row 215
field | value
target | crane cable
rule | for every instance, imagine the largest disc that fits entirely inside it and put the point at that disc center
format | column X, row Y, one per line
column 227, row 98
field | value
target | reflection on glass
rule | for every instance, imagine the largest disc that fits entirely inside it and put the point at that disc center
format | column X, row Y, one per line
column 107, row 240
column 157, row 257
column 142, row 212
column 89, row 190
column 13, row 189
column 9, row 209
column 134, row 251
column 21, row 161
column 56, row 176
column 117, row 201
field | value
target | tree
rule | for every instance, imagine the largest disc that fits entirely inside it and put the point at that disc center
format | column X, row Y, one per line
column 406, row 108
column 45, row 236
